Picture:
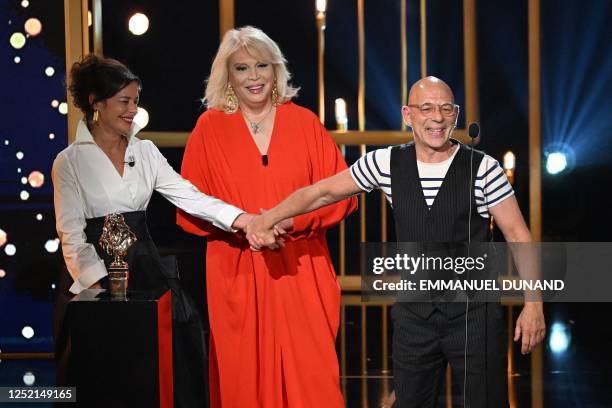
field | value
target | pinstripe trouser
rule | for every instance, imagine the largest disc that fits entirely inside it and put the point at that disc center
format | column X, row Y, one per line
column 423, row 346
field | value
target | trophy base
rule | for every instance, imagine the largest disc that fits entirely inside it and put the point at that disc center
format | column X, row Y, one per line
column 118, row 283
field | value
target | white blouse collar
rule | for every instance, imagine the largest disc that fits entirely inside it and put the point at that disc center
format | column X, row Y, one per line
column 83, row 135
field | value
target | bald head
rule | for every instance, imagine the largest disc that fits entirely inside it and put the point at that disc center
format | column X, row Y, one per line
column 429, row 86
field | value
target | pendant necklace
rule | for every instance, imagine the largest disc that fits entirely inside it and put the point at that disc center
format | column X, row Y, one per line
column 254, row 126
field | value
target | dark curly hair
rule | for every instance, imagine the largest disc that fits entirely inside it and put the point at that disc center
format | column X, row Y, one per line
column 102, row 77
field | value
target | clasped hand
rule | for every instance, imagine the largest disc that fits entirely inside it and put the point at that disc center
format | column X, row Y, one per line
column 259, row 235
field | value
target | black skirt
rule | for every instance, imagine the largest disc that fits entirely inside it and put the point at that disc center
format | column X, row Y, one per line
column 148, row 271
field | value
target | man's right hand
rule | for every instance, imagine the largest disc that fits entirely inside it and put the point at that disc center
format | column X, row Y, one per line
column 260, row 236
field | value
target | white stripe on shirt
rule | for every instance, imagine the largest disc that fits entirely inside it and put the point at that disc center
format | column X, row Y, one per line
column 491, row 185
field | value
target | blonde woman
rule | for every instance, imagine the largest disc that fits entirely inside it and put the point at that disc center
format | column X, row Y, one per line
column 274, row 315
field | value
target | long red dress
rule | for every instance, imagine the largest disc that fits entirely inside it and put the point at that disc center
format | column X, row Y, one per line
column 274, row 315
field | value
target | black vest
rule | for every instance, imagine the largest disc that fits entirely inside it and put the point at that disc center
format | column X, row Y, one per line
column 447, row 221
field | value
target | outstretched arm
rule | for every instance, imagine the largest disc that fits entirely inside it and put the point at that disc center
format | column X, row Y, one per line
column 325, row 192
column 530, row 324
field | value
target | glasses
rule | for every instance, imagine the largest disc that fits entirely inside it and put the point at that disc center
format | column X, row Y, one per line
column 428, row 109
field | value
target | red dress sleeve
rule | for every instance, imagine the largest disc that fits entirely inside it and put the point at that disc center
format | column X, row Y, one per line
column 191, row 169
column 326, row 162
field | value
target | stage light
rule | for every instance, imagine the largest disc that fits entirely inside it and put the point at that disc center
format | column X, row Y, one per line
column 341, row 118
column 2, row 237
column 27, row 332
column 54, row 103
column 51, row 136
column 24, row 195
column 29, row 379
column 509, row 161
column 17, row 59
column 556, row 162
column 63, row 108
column 52, row 245
column 19, row 155
column 142, row 117
column 138, row 24
column 321, row 6
column 2, row 273
column 39, row 217
column 10, row 249
column 559, row 338
column 33, row 26
column 559, row 158
column 17, row 40
column 49, row 71
column 36, row 179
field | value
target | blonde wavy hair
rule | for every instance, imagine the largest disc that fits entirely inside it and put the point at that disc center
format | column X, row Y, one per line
column 259, row 46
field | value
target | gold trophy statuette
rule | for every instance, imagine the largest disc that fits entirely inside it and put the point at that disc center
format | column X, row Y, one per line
column 116, row 240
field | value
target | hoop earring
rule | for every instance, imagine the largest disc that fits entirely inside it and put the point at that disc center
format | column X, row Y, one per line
column 96, row 117
column 231, row 101
column 275, row 97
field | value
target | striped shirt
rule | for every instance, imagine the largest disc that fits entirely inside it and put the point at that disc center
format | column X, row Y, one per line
column 491, row 185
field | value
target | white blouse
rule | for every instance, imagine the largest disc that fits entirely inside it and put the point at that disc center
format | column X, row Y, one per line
column 87, row 185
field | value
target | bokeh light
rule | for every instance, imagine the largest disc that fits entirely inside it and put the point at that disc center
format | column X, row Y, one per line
column 17, row 40
column 24, row 195
column 340, row 113
column 2, row 237
column 560, row 338
column 321, row 5
column 24, row 180
column 138, row 24
column 52, row 245
column 19, row 155
column 33, row 26
column 27, row 332
column 29, row 379
column 17, row 59
column 10, row 249
column 36, row 179
column 51, row 136
column 39, row 217
column 25, row 3
column 63, row 108
column 54, row 103
column 509, row 161
column 2, row 273
column 142, row 117
column 18, row 169
column 49, row 71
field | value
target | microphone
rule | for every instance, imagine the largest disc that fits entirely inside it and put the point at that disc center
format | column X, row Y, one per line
column 474, row 130
column 131, row 161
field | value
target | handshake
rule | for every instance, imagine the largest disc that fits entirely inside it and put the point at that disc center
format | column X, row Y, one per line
column 261, row 234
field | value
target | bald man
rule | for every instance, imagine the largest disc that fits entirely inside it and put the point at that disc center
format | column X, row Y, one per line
column 424, row 181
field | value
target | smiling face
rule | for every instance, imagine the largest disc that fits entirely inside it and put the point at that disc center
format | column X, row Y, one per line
column 251, row 79
column 431, row 131
column 116, row 113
